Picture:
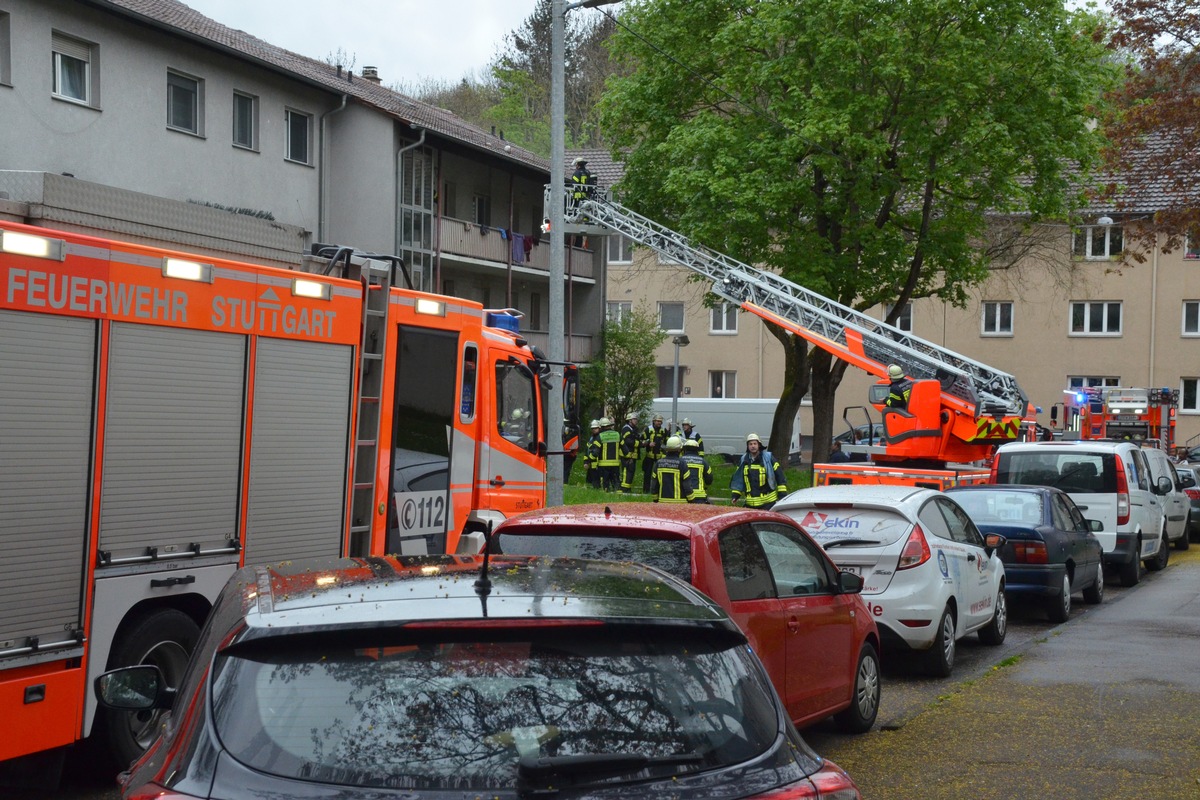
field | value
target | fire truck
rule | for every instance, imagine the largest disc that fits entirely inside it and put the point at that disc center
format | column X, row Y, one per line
column 959, row 409
column 167, row 418
column 1114, row 412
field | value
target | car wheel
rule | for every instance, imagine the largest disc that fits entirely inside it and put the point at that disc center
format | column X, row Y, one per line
column 1158, row 562
column 1059, row 608
column 1184, row 542
column 939, row 659
column 864, row 706
column 994, row 632
column 1131, row 571
column 166, row 639
column 1094, row 594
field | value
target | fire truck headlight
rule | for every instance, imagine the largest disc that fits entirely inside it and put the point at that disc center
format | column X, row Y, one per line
column 431, row 307
column 25, row 244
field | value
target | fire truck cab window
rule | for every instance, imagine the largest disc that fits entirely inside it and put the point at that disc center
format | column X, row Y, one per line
column 470, row 369
column 516, row 416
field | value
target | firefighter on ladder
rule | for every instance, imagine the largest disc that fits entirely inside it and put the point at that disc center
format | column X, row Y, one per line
column 899, row 389
column 757, row 477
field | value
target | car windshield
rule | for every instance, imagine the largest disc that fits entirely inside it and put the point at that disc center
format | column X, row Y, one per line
column 850, row 526
column 1003, row 506
column 1071, row 471
column 673, row 556
column 479, row 713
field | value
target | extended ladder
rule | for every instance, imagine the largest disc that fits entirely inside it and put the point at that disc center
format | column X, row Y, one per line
column 849, row 334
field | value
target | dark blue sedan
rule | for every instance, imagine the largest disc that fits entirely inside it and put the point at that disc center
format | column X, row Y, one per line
column 1051, row 552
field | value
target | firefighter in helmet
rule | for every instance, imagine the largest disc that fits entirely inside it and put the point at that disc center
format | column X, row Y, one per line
column 699, row 471
column 591, row 456
column 630, row 442
column 609, row 461
column 758, row 478
column 654, row 438
column 899, row 389
column 671, row 481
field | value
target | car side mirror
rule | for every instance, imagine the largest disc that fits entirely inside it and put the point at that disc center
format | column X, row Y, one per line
column 849, row 583
column 137, row 688
column 1164, row 485
column 993, row 542
column 1095, row 525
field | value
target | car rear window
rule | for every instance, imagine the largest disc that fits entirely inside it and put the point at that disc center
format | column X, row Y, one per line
column 1071, row 471
column 474, row 712
column 835, row 525
column 673, row 555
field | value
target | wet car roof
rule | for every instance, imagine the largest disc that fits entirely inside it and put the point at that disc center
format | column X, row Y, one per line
column 682, row 519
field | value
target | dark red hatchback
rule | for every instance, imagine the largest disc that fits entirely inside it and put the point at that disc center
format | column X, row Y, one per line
column 803, row 617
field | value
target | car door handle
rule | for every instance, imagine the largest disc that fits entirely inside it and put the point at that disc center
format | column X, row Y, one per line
column 793, row 625
column 970, row 557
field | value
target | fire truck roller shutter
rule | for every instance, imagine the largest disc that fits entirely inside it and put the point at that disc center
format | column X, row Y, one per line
column 298, row 450
column 47, row 375
column 173, row 440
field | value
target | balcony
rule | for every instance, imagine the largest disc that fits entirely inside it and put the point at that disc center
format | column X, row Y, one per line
column 461, row 239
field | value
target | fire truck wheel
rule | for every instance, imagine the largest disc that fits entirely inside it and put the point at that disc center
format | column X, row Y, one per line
column 165, row 638
column 1158, row 562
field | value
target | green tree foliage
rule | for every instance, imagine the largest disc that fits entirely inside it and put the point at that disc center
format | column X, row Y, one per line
column 1155, row 121
column 855, row 146
column 624, row 377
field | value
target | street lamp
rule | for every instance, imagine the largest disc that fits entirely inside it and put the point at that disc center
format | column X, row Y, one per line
column 558, row 177
column 679, row 341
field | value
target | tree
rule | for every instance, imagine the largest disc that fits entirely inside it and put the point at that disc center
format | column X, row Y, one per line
column 624, row 377
column 857, row 147
column 1154, row 126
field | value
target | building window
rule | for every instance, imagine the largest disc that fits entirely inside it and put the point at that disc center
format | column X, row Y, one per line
column 245, row 121
column 183, row 103
column 724, row 318
column 299, row 133
column 620, row 249
column 670, row 317
column 72, row 68
column 997, row 319
column 1096, row 318
column 1191, row 249
column 722, row 384
column 904, row 319
column 535, row 311
column 481, row 209
column 1189, row 395
column 1191, row 317
column 449, row 199
column 1097, row 242
column 1075, row 382
column 5, row 50
column 618, row 312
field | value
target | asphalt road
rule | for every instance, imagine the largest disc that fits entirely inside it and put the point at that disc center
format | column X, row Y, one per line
column 1102, row 706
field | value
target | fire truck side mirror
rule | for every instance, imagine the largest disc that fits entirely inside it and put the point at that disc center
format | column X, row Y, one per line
column 1054, row 414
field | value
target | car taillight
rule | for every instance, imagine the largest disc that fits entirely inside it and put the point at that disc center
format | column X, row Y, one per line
column 830, row 782
column 1031, row 552
column 995, row 471
column 916, row 550
column 1193, row 494
column 1122, row 494
column 152, row 791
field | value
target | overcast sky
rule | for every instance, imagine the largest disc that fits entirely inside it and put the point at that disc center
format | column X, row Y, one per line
column 407, row 40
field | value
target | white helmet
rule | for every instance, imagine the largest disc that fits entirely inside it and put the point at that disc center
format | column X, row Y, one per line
column 692, row 443
column 673, row 443
column 753, row 437
column 594, row 424
column 605, row 422
column 895, row 372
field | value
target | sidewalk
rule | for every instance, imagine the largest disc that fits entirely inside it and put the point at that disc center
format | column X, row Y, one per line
column 1103, row 707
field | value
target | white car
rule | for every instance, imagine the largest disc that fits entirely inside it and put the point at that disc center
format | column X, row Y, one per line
column 930, row 576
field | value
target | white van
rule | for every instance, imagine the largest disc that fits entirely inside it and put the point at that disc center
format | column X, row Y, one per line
column 1177, row 505
column 1111, row 482
column 724, row 422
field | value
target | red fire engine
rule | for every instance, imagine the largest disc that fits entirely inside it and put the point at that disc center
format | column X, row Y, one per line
column 167, row 418
column 1114, row 412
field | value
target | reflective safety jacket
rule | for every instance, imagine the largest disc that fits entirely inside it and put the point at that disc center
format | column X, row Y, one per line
column 610, row 442
column 629, row 441
column 654, row 442
column 671, row 482
column 898, row 393
column 695, row 437
column 701, row 475
column 591, row 453
column 759, row 478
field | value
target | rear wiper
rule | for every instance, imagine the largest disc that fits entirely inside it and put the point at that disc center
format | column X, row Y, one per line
column 545, row 775
column 849, row 542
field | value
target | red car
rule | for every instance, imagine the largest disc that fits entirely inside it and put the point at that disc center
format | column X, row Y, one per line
column 804, row 618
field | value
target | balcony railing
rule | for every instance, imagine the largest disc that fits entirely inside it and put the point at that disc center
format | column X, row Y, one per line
column 579, row 346
column 485, row 243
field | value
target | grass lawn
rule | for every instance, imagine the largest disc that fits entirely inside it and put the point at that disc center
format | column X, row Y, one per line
column 577, row 491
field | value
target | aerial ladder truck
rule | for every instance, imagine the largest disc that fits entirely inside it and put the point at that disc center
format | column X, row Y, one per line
column 1143, row 415
column 959, row 409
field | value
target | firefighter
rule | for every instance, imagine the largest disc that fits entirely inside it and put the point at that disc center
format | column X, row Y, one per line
column 671, row 481
column 899, row 389
column 653, row 440
column 758, row 477
column 699, row 471
column 630, row 442
column 591, row 456
column 609, row 461
column 583, row 183
column 688, row 431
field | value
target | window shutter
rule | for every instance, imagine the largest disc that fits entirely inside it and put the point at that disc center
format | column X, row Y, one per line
column 70, row 47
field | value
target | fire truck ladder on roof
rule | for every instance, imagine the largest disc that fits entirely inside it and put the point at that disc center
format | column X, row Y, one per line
column 849, row 334
column 375, row 274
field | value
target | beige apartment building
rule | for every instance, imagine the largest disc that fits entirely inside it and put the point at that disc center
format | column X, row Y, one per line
column 1081, row 312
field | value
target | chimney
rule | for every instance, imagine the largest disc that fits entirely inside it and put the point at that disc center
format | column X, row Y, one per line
column 371, row 74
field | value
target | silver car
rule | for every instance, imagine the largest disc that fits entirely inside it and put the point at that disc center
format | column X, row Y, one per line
column 1189, row 479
